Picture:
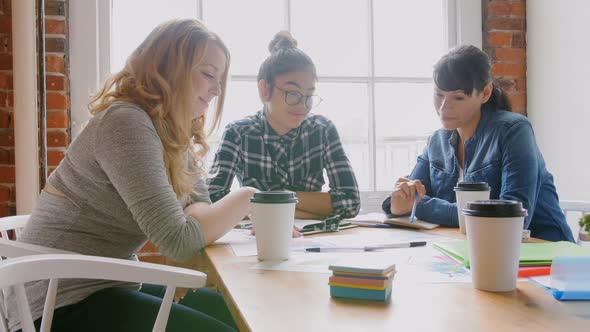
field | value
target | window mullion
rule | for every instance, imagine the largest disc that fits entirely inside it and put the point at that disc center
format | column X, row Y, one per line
column 199, row 10
column 288, row 15
column 371, row 100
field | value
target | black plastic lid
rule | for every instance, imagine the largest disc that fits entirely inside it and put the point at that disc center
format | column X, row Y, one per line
column 274, row 197
column 472, row 186
column 494, row 208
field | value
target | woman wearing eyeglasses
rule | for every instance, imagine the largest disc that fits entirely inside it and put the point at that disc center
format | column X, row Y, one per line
column 284, row 146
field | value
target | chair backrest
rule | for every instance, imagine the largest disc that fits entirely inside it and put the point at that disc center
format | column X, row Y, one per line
column 573, row 210
column 13, row 223
column 15, row 272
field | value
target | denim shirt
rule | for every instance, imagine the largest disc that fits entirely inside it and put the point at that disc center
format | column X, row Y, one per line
column 503, row 153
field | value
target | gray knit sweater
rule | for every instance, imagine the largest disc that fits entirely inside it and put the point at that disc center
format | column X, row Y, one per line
column 117, row 196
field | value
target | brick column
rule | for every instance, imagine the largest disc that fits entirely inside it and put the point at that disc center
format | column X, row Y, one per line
column 57, row 81
column 504, row 39
column 7, row 171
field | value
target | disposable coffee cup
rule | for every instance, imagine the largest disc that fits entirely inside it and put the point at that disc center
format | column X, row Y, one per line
column 273, row 215
column 494, row 232
column 469, row 191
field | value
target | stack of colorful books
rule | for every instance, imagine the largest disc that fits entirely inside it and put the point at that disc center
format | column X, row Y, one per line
column 362, row 280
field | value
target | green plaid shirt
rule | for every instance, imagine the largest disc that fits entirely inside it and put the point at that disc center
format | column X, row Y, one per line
column 260, row 158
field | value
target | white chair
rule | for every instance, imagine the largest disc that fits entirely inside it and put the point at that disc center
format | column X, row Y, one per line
column 14, row 223
column 16, row 272
column 573, row 210
column 26, row 262
column 10, row 248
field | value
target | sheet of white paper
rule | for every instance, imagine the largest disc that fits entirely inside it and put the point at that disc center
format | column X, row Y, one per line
column 413, row 265
column 243, row 243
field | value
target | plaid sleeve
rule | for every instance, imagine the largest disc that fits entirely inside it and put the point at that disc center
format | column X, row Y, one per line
column 226, row 165
column 343, row 186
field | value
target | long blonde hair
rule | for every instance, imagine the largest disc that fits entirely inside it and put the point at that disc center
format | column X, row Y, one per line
column 157, row 77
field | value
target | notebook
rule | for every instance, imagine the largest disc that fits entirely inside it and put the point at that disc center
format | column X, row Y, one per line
column 531, row 254
column 376, row 219
column 374, row 265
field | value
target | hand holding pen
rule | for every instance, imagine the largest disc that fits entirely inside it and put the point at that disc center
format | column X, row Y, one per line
column 406, row 196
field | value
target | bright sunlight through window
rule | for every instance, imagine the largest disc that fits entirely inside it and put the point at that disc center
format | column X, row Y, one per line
column 374, row 60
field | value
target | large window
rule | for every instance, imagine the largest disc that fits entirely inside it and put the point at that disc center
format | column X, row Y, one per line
column 374, row 60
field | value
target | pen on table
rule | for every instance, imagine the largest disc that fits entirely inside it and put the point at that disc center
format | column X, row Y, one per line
column 369, row 248
column 413, row 215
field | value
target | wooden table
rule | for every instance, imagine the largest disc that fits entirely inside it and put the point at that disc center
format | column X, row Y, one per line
column 263, row 300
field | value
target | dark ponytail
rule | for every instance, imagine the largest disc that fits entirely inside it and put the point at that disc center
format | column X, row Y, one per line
column 499, row 99
column 284, row 58
column 468, row 68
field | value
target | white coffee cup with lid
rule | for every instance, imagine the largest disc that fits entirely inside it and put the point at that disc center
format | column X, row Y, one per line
column 494, row 232
column 469, row 191
column 273, row 216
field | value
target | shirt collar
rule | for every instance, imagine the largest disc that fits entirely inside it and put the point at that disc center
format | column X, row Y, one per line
column 270, row 135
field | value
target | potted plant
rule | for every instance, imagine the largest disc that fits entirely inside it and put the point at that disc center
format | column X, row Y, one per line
column 584, row 229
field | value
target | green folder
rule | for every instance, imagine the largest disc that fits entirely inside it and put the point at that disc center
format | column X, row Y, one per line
column 531, row 254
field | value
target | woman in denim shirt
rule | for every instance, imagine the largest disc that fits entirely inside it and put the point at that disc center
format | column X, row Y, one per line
column 481, row 141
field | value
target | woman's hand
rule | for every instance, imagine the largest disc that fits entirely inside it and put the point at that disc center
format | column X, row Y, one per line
column 402, row 197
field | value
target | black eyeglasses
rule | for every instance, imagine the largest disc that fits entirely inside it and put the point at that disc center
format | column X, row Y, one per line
column 294, row 97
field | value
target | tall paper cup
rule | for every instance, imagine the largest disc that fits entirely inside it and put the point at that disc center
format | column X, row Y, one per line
column 494, row 232
column 469, row 191
column 273, row 215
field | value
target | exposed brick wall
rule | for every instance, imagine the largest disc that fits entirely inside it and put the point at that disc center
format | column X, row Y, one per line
column 504, row 39
column 57, row 80
column 57, row 85
column 7, row 191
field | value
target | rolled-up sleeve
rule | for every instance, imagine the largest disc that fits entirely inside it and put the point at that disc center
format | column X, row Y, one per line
column 226, row 165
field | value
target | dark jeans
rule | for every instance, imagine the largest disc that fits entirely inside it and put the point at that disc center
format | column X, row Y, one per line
column 122, row 309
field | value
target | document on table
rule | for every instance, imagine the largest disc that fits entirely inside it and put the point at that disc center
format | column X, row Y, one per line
column 243, row 243
column 413, row 265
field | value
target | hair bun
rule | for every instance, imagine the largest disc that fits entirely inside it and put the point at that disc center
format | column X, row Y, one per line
column 281, row 41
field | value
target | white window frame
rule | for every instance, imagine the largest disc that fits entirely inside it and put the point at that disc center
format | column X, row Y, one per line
column 90, row 54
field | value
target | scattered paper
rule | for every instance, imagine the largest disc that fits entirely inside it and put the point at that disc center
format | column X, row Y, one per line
column 413, row 265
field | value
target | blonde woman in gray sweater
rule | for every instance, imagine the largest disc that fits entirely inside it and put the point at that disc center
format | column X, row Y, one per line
column 135, row 174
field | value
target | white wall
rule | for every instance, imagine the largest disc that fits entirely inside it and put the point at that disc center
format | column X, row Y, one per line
column 558, row 74
column 558, row 79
